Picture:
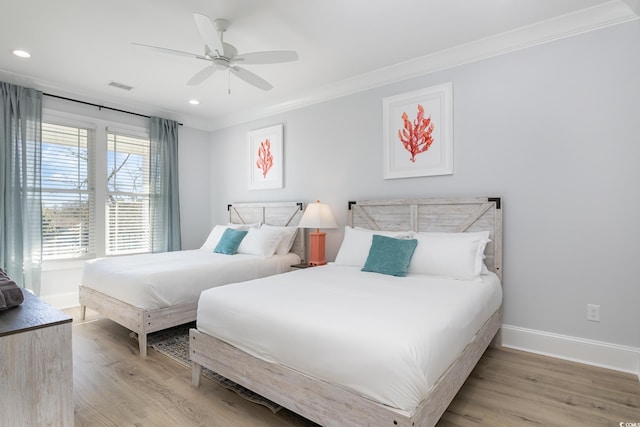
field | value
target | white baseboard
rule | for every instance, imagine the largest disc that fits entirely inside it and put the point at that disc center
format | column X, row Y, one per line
column 596, row 353
column 60, row 301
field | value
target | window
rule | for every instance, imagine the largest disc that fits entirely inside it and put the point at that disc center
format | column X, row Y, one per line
column 128, row 229
column 68, row 202
column 95, row 189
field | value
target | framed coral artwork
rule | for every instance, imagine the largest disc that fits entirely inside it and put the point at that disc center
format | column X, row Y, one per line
column 418, row 133
column 265, row 158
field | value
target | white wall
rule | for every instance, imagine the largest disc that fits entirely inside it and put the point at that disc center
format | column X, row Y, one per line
column 195, row 186
column 552, row 129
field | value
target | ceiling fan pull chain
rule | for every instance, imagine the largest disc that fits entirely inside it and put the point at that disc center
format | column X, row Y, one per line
column 229, row 79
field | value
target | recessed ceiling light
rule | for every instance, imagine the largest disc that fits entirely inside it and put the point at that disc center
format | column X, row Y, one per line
column 22, row 53
column 194, row 102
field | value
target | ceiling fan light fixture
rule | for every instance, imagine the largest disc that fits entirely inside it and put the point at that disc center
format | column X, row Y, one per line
column 194, row 102
column 221, row 62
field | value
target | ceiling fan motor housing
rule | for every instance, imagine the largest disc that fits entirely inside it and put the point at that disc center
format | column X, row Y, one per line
column 221, row 62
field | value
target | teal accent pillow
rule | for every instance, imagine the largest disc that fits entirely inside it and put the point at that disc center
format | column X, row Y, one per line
column 230, row 241
column 389, row 255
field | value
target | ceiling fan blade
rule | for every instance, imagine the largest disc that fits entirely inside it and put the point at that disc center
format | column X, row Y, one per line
column 251, row 78
column 201, row 75
column 208, row 33
column 170, row 51
column 272, row 57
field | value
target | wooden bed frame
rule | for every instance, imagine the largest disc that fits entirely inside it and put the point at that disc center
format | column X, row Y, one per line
column 331, row 405
column 143, row 321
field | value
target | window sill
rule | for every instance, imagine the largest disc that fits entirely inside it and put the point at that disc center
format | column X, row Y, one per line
column 63, row 264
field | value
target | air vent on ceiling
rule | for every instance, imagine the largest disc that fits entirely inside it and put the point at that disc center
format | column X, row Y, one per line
column 120, row 85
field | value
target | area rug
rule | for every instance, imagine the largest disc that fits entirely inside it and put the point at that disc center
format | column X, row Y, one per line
column 174, row 343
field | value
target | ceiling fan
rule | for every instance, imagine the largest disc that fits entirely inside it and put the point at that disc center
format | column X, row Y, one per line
column 223, row 56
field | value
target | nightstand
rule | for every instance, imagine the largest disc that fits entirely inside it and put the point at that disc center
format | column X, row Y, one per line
column 303, row 265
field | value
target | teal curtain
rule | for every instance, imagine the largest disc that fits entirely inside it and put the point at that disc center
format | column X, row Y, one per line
column 20, row 189
column 165, row 201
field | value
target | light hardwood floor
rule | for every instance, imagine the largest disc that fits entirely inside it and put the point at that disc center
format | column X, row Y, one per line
column 113, row 386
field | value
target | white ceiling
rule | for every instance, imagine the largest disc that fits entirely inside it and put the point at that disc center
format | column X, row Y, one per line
column 79, row 46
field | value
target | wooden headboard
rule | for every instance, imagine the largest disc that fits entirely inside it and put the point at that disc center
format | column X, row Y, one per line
column 438, row 214
column 272, row 213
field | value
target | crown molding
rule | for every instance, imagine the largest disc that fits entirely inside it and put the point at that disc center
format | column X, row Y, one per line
column 634, row 5
column 590, row 19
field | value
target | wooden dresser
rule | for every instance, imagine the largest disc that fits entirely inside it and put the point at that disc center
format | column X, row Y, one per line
column 36, row 365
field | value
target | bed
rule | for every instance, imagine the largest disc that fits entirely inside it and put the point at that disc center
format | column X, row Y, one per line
column 329, row 379
column 150, row 292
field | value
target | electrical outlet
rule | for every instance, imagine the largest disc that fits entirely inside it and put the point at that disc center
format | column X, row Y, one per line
column 593, row 312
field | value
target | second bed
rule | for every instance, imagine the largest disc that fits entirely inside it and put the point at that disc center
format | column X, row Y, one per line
column 150, row 292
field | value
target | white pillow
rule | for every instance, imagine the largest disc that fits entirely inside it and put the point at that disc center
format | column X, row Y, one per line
column 357, row 243
column 288, row 236
column 260, row 241
column 216, row 233
column 214, row 238
column 456, row 255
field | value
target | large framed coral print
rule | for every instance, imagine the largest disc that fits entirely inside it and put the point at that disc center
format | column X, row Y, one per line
column 418, row 133
column 265, row 158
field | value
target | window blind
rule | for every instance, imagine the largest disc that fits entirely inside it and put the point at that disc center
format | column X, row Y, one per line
column 68, row 197
column 127, row 204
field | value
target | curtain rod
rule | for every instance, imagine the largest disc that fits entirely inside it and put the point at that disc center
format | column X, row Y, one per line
column 100, row 107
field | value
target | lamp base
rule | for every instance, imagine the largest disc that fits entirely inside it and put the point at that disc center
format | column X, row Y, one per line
column 316, row 248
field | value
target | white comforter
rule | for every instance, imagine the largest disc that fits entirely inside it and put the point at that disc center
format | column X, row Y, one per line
column 387, row 338
column 161, row 280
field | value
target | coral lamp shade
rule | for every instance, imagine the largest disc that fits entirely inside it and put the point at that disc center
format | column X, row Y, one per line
column 317, row 215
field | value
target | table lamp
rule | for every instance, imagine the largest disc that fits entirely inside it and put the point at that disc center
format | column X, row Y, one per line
column 317, row 215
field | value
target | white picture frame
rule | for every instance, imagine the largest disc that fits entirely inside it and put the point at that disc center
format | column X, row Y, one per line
column 266, row 158
column 418, row 133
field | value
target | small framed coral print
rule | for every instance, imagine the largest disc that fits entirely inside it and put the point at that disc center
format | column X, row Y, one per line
column 265, row 158
column 418, row 133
